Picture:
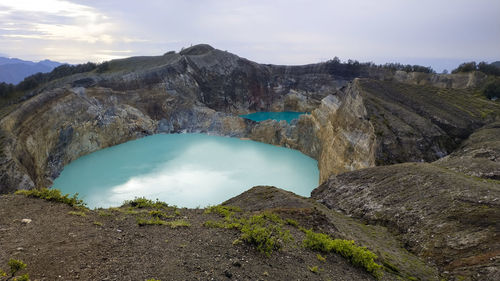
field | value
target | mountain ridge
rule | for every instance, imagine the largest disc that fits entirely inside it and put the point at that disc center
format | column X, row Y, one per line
column 14, row 70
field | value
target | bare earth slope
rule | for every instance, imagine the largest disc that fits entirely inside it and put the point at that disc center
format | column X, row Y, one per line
column 109, row 245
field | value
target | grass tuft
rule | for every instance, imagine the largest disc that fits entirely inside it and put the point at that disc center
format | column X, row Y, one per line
column 321, row 258
column 15, row 266
column 265, row 230
column 359, row 256
column 292, row 222
column 53, row 195
column 224, row 211
column 141, row 202
column 77, row 213
column 314, row 269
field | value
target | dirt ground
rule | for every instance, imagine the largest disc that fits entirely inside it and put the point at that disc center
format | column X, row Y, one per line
column 110, row 245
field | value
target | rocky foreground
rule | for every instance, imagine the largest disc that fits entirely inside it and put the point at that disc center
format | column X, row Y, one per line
column 66, row 243
column 409, row 167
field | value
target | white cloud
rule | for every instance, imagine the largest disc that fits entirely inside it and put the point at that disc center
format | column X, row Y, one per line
column 60, row 29
column 56, row 20
column 52, row 7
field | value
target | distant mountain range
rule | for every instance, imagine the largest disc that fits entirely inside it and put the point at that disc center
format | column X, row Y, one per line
column 15, row 70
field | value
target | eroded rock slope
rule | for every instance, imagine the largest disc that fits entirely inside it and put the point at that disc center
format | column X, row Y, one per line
column 447, row 211
column 371, row 121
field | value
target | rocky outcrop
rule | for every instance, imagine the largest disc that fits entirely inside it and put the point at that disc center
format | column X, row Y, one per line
column 479, row 155
column 447, row 211
column 373, row 122
column 347, row 138
column 457, row 81
column 444, row 216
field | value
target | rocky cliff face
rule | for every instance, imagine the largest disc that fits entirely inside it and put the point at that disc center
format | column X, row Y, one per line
column 199, row 90
column 456, row 81
column 372, row 122
column 353, row 125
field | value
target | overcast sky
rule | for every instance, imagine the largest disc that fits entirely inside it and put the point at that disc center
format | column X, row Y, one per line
column 439, row 33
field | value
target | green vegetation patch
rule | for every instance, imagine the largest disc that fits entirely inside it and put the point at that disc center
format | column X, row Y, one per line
column 157, row 216
column 265, row 230
column 357, row 255
column 15, row 266
column 77, row 213
column 314, row 269
column 150, row 221
column 141, row 202
column 54, row 195
column 224, row 211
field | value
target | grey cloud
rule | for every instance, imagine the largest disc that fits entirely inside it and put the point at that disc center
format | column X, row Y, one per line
column 297, row 31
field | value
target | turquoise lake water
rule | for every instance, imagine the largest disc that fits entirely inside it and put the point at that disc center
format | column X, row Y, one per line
column 187, row 170
column 288, row 116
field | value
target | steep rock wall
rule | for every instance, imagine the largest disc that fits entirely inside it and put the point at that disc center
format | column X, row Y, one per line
column 372, row 122
column 353, row 125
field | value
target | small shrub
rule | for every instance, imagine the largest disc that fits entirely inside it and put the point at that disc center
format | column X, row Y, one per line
column 24, row 277
column 320, row 258
column 15, row 266
column 159, row 214
column 178, row 223
column 292, row 222
column 313, row 269
column 357, row 255
column 266, row 232
column 492, row 90
column 53, row 195
column 77, row 213
column 131, row 211
column 222, row 224
column 225, row 211
column 153, row 279
column 98, row 223
column 141, row 202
